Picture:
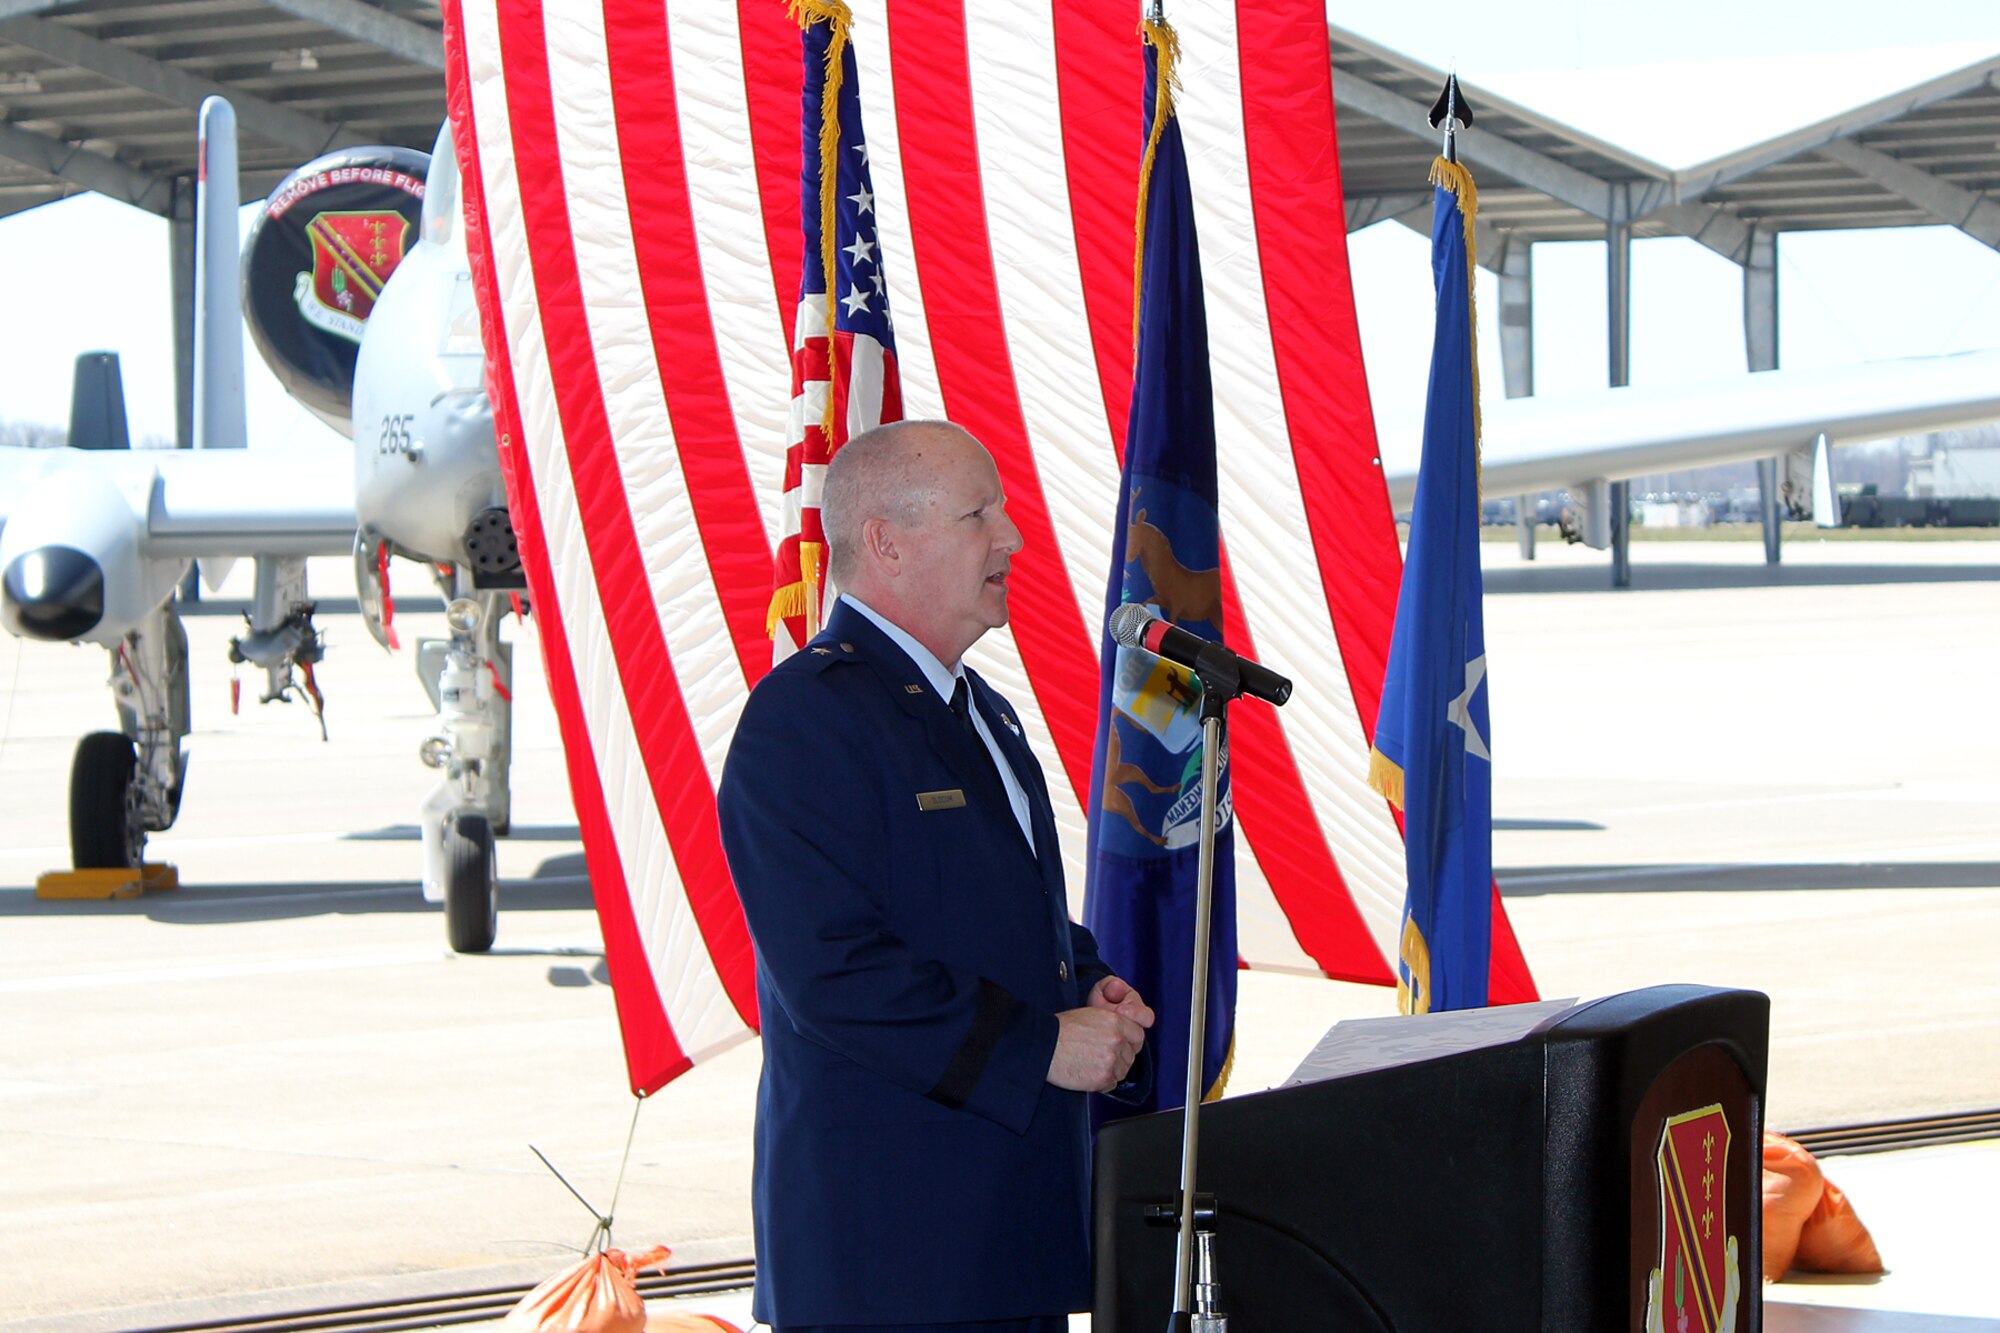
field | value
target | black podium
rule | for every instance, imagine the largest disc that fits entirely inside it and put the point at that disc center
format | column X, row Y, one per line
column 1598, row 1171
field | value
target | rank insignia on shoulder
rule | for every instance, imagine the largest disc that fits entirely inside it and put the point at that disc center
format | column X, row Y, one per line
column 913, row 689
column 950, row 799
column 1012, row 725
column 824, row 652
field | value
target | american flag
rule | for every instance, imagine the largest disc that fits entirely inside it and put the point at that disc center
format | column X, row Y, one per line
column 843, row 352
column 631, row 181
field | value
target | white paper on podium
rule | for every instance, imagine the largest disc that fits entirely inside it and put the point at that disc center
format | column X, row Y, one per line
column 1358, row 1045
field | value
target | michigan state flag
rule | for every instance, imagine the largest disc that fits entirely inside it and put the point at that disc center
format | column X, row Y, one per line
column 1145, row 808
column 1431, row 738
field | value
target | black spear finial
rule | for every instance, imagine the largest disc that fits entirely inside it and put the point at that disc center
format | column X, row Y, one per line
column 1451, row 114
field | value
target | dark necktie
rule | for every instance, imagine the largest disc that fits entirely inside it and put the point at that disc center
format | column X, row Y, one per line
column 961, row 707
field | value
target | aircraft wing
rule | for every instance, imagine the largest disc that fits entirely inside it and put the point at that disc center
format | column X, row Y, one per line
column 1545, row 444
column 182, row 503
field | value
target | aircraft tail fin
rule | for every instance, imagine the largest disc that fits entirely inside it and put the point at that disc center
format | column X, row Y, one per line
column 219, row 416
column 97, row 404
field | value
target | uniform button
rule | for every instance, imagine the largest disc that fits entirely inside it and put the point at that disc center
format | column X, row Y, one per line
column 1062, row 970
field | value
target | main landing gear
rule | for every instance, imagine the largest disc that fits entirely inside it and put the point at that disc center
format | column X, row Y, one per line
column 126, row 784
column 470, row 679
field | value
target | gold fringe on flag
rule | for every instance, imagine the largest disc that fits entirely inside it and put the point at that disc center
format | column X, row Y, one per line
column 1162, row 37
column 1385, row 775
column 786, row 602
column 812, row 557
column 801, row 598
column 1454, row 177
column 833, row 12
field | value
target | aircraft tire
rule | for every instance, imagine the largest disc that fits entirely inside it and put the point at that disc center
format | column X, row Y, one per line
column 472, row 884
column 104, row 827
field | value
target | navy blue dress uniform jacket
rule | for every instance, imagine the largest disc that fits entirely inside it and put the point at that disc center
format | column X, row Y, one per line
column 912, row 1162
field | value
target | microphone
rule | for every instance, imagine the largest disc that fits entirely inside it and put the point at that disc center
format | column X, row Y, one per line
column 1217, row 666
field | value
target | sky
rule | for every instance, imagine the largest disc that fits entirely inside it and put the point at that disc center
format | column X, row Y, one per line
column 1676, row 83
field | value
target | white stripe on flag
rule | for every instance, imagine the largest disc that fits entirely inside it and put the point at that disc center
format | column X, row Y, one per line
column 864, row 388
column 655, row 490
column 691, row 993
column 735, row 262
column 1016, row 112
column 1263, row 511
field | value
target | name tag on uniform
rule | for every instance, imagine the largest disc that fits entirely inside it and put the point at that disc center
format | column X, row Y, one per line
column 949, row 799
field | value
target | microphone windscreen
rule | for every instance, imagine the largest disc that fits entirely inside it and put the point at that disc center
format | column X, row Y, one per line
column 1128, row 625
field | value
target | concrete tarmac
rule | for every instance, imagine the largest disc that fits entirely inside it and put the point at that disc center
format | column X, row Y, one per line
column 277, row 1088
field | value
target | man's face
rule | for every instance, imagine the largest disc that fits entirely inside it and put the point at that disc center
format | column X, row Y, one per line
column 958, row 549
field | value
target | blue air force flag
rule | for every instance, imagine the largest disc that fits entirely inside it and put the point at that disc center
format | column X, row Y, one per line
column 1146, row 792
column 1431, row 739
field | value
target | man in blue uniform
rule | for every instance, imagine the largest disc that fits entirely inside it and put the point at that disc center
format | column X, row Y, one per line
column 931, row 1017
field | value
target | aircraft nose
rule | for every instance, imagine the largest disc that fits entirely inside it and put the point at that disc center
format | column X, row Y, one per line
column 52, row 592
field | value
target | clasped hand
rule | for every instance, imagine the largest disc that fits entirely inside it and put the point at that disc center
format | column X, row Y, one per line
column 1096, row 1045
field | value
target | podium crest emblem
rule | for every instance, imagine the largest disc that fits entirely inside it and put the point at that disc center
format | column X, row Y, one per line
column 1698, row 1284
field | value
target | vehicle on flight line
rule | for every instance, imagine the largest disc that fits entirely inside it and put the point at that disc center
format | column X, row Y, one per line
column 96, row 538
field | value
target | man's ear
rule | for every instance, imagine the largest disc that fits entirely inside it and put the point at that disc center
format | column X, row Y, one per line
column 878, row 544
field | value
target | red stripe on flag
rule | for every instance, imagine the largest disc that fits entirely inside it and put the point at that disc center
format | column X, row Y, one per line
column 676, row 301
column 1277, row 818
column 1308, row 290
column 1316, row 340
column 1100, row 84
column 673, row 758
column 975, row 371
column 653, row 1055
column 1269, row 790
column 1508, row 980
column 774, row 83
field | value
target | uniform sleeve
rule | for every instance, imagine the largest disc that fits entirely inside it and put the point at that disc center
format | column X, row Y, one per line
column 803, row 840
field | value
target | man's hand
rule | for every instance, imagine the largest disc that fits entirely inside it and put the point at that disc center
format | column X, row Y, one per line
column 1094, row 1048
column 1096, row 1045
column 1115, row 994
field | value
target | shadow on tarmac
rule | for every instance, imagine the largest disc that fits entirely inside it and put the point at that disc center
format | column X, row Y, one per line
column 1687, row 578
column 517, row 833
column 1535, row 881
column 197, row 906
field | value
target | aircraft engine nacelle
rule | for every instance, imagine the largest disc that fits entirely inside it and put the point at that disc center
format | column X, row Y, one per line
column 426, row 470
column 72, row 563
column 315, row 264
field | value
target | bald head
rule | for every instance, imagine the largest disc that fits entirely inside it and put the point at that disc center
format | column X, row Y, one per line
column 916, row 526
column 889, row 472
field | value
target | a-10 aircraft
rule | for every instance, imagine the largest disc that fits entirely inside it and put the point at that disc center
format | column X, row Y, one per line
column 96, row 541
column 384, row 345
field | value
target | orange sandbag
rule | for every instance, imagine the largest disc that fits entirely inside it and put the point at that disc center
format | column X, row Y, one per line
column 1834, row 1241
column 1792, row 1189
column 596, row 1294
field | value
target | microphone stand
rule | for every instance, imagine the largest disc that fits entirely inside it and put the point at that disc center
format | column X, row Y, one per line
column 1221, row 683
